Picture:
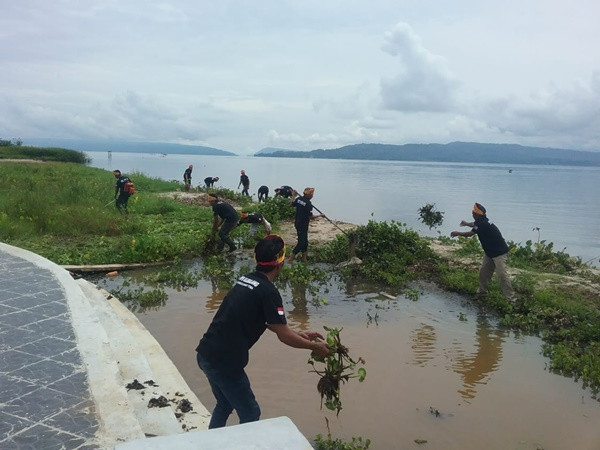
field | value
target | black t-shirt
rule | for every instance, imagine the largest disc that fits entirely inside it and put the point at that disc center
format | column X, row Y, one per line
column 263, row 189
column 244, row 180
column 252, row 218
column 225, row 211
column 187, row 175
column 252, row 304
column 285, row 191
column 303, row 210
column 121, row 183
column 490, row 237
column 209, row 180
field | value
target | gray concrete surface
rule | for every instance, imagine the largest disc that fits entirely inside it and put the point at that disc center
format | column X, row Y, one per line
column 45, row 400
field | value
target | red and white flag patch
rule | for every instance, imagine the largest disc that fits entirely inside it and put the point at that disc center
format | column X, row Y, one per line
column 280, row 310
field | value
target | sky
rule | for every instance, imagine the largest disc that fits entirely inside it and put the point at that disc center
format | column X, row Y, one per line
column 243, row 75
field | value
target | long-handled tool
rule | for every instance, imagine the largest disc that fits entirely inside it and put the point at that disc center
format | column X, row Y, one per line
column 331, row 221
column 352, row 237
column 109, row 203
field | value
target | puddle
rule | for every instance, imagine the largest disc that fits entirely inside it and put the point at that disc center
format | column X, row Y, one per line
column 441, row 353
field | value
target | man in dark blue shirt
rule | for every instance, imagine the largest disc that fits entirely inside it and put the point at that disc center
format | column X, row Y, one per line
column 253, row 305
column 263, row 193
column 245, row 182
column 494, row 248
column 225, row 219
column 187, row 177
column 122, row 191
column 210, row 181
column 303, row 217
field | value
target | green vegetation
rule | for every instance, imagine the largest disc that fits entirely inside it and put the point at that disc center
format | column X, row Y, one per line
column 329, row 443
column 338, row 368
column 430, row 216
column 14, row 150
column 64, row 211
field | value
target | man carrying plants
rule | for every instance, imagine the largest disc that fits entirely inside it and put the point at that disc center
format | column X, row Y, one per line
column 494, row 248
column 303, row 217
column 253, row 305
column 225, row 219
column 124, row 190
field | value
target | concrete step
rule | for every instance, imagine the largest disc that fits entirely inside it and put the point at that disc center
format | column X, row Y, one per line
column 141, row 358
column 115, row 414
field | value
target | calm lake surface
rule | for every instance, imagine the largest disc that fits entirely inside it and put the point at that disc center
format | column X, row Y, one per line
column 562, row 201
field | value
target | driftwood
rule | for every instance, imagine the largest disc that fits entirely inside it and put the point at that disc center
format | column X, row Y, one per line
column 113, row 267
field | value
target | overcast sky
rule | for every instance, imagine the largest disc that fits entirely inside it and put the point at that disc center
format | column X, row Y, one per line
column 243, row 75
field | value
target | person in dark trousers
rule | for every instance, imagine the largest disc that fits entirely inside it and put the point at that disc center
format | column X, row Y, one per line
column 494, row 248
column 253, row 305
column 255, row 219
column 225, row 219
column 187, row 178
column 284, row 191
column 263, row 193
column 121, row 192
column 303, row 217
column 210, row 181
column 244, row 182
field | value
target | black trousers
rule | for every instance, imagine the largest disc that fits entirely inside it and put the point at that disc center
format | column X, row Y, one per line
column 121, row 202
column 224, row 235
column 302, row 245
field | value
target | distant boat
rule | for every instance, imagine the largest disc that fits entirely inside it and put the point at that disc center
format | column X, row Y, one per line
column 163, row 154
column 509, row 170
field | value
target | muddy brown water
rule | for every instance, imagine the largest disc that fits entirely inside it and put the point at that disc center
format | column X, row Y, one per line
column 440, row 353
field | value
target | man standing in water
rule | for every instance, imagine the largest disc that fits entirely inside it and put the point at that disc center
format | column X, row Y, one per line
column 187, row 178
column 494, row 248
column 303, row 217
column 225, row 219
column 253, row 305
column 245, row 182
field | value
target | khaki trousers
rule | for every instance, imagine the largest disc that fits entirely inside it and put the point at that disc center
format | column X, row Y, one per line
column 486, row 271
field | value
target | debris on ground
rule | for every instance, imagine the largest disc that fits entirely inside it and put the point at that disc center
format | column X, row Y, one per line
column 160, row 402
column 135, row 384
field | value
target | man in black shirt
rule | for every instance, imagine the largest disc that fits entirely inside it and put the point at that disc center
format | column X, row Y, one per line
column 284, row 191
column 225, row 219
column 253, row 305
column 303, row 217
column 255, row 219
column 494, row 248
column 263, row 193
column 210, row 181
column 245, row 182
column 122, row 191
column 187, row 178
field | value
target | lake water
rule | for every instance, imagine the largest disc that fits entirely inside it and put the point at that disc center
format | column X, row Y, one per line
column 561, row 201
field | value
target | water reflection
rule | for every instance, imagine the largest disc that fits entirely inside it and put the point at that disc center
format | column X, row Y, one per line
column 216, row 296
column 424, row 339
column 299, row 313
column 476, row 368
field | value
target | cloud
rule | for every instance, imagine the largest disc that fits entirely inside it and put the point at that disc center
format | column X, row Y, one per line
column 424, row 83
column 551, row 112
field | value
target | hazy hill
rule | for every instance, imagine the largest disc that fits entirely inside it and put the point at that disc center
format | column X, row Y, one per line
column 126, row 146
column 265, row 150
column 471, row 152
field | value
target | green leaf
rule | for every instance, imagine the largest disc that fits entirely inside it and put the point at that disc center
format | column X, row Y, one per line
column 362, row 373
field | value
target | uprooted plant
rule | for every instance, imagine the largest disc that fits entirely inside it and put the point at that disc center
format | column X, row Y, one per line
column 338, row 368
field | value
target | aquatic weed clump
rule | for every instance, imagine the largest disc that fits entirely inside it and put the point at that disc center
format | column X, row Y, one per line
column 338, row 368
column 390, row 253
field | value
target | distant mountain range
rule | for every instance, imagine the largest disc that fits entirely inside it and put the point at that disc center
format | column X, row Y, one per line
column 467, row 152
column 126, row 146
column 266, row 150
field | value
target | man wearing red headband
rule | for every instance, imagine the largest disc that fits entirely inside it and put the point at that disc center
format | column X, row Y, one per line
column 494, row 248
column 253, row 305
